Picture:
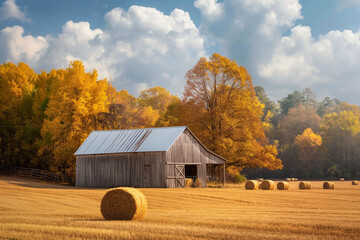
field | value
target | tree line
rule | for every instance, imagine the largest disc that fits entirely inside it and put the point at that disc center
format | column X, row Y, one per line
column 44, row 118
column 315, row 139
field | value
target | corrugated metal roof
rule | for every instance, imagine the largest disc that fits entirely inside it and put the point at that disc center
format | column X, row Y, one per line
column 130, row 140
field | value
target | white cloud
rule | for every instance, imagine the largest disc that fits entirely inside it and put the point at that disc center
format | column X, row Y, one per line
column 16, row 47
column 211, row 9
column 330, row 64
column 140, row 47
column 10, row 10
column 253, row 32
column 247, row 30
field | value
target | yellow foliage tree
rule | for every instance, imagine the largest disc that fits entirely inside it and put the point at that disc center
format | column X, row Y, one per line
column 76, row 97
column 308, row 143
column 17, row 84
column 221, row 107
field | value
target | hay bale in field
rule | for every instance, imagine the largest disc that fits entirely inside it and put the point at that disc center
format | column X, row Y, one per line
column 282, row 186
column 123, row 204
column 260, row 179
column 189, row 182
column 267, row 185
column 197, row 183
column 354, row 182
column 304, row 185
column 292, row 179
column 295, row 179
column 342, row 179
column 251, row 185
column 328, row 185
column 288, row 180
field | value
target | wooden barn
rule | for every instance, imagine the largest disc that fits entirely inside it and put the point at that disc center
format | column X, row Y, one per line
column 153, row 157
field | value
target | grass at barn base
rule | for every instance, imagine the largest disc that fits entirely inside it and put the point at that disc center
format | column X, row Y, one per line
column 35, row 210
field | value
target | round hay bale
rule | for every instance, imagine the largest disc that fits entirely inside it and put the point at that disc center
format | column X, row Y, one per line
column 295, row 179
column 197, row 183
column 123, row 204
column 304, row 185
column 292, row 179
column 251, row 185
column 288, row 179
column 328, row 185
column 189, row 182
column 342, row 179
column 282, row 186
column 267, row 185
column 354, row 182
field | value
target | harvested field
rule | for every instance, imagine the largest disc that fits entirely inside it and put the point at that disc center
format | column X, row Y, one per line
column 35, row 210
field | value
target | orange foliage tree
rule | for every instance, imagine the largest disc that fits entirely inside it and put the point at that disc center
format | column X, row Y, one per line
column 221, row 107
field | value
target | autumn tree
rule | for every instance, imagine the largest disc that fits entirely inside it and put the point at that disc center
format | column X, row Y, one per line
column 75, row 99
column 295, row 122
column 308, row 144
column 221, row 107
column 124, row 111
column 16, row 89
column 340, row 134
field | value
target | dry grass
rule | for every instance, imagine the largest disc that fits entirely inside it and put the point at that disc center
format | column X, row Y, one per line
column 33, row 210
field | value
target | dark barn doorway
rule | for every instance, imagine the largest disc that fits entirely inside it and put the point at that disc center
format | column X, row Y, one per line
column 191, row 171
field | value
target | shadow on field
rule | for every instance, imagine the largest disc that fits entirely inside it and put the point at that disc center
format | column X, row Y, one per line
column 91, row 220
column 33, row 183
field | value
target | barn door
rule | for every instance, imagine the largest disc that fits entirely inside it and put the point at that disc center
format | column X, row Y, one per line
column 180, row 176
column 147, row 175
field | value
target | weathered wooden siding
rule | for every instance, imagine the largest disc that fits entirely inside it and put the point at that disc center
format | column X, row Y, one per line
column 126, row 170
column 187, row 150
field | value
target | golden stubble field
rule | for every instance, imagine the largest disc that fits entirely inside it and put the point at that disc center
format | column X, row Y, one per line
column 35, row 210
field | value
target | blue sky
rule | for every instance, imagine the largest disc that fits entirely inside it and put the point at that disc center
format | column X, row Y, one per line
column 286, row 45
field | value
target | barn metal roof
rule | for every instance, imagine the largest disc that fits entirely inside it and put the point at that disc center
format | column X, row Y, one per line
column 130, row 140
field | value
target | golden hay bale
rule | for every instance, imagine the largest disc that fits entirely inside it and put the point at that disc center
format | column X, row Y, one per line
column 304, row 185
column 354, row 182
column 197, row 183
column 342, row 179
column 282, row 186
column 123, row 204
column 260, row 179
column 292, row 179
column 267, row 185
column 251, row 185
column 288, row 180
column 189, row 182
column 328, row 185
column 295, row 179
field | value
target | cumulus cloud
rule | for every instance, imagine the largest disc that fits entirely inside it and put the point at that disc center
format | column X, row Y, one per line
column 139, row 48
column 10, row 10
column 329, row 64
column 16, row 47
column 254, row 33
column 247, row 29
